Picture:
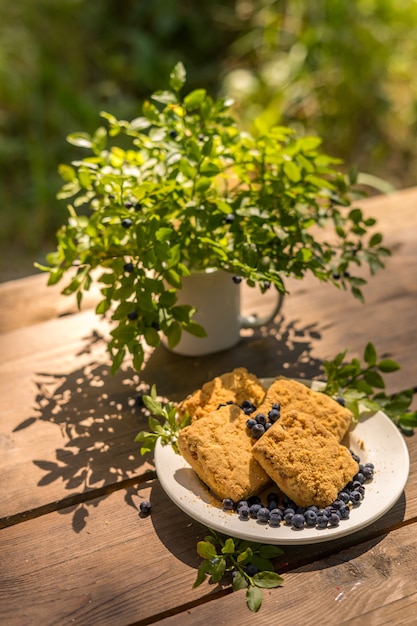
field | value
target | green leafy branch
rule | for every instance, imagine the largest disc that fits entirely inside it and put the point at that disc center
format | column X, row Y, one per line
column 249, row 563
column 362, row 386
column 167, row 430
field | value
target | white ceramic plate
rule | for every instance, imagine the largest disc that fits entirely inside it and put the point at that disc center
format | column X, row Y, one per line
column 375, row 439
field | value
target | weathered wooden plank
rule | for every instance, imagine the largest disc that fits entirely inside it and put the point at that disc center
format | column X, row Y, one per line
column 29, row 301
column 66, row 425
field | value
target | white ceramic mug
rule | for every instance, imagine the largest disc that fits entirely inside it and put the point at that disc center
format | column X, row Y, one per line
column 217, row 301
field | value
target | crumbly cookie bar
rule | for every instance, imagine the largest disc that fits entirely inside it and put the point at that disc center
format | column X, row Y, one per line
column 219, row 449
column 304, row 459
column 293, row 395
column 235, row 386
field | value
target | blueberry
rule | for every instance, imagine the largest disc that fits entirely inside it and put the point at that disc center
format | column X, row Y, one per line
column 287, row 502
column 132, row 316
column 267, row 285
column 251, row 569
column 244, row 512
column 272, row 504
column 240, row 504
column 288, row 515
column 276, row 406
column 173, row 134
column 275, row 517
column 334, row 519
column 274, row 415
column 298, row 521
column 355, row 456
column 254, row 500
column 341, row 401
column 250, row 423
column 128, row 204
column 322, row 521
column 138, row 206
column 237, row 279
column 145, row 507
column 360, row 478
column 344, row 497
column 263, row 515
column 368, row 472
column 229, row 218
column 253, row 510
column 127, row 223
column 310, row 517
column 344, row 512
column 268, row 425
column 228, row 504
column 261, row 419
column 128, row 267
column 257, row 431
column 355, row 497
column 248, row 407
column 272, row 496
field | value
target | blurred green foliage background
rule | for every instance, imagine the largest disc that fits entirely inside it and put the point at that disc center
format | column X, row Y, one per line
column 342, row 69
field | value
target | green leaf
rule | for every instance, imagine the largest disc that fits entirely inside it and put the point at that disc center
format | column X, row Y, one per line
column 194, row 99
column 375, row 240
column 239, row 582
column 206, row 550
column 388, row 365
column 292, row 171
column 370, row 354
column 80, row 139
column 217, row 569
column 374, row 379
column 173, row 334
column 177, row 77
column 163, row 234
column 194, row 329
column 245, row 556
column 151, row 337
column 202, row 184
column 270, row 552
column 267, row 580
column 202, row 573
column 254, row 598
column 229, row 546
column 164, row 97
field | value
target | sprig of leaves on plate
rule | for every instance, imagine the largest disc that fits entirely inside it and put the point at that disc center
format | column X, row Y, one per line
column 362, row 387
column 167, row 430
column 249, row 564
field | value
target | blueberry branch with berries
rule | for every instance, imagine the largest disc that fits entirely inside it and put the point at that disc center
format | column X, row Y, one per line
column 185, row 190
column 249, row 564
column 361, row 387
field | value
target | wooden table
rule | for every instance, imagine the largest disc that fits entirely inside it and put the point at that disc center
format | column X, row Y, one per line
column 73, row 547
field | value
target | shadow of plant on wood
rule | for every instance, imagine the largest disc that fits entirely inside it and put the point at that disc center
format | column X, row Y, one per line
column 99, row 415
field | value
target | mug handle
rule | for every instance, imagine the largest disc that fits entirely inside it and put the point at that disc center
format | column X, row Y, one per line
column 254, row 321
